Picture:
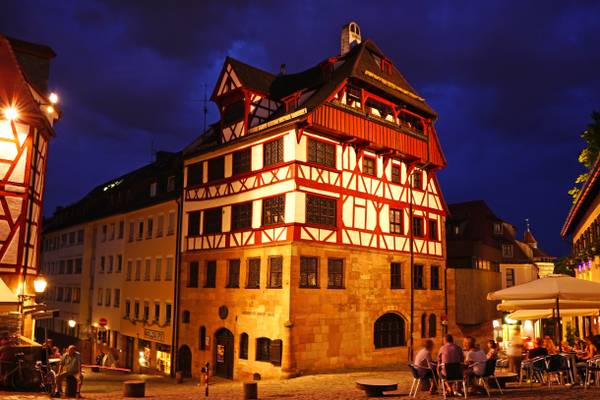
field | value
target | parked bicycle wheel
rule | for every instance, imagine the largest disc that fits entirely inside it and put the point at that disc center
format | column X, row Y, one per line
column 23, row 379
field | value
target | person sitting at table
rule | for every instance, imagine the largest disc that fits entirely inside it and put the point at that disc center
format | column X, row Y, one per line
column 549, row 345
column 590, row 352
column 449, row 353
column 538, row 351
column 423, row 363
column 492, row 352
column 475, row 360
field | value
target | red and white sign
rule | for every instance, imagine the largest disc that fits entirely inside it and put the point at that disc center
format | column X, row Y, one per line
column 102, row 322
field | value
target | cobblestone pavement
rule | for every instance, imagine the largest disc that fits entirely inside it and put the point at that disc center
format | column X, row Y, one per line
column 311, row 387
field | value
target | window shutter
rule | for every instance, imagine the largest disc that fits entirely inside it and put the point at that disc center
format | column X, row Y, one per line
column 275, row 351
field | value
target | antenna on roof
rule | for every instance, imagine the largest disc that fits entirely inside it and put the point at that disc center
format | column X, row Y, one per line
column 205, row 109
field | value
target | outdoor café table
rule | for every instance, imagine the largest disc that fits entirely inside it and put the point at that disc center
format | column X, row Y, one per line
column 504, row 377
column 374, row 387
column 572, row 359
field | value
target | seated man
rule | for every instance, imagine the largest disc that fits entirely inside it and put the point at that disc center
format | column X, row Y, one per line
column 423, row 363
column 538, row 351
column 69, row 366
column 475, row 358
column 449, row 353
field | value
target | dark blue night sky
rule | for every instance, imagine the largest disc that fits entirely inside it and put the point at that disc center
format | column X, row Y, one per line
column 513, row 82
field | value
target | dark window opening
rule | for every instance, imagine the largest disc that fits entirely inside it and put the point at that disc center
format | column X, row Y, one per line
column 273, row 152
column 368, row 166
column 321, row 153
column 417, row 227
column 396, row 275
column 335, row 273
column 263, row 349
column 211, row 274
column 212, row 221
column 194, row 223
column 309, row 272
column 396, row 221
column 185, row 318
column 244, row 346
column 320, row 210
column 234, row 112
column 241, row 216
column 435, row 277
column 202, row 338
column 233, row 275
column 433, row 230
column 396, row 173
column 389, row 331
column 275, row 272
column 193, row 275
column 273, row 210
column 194, row 174
column 432, row 326
column 242, row 161
column 253, row 273
column 418, row 281
column 216, row 168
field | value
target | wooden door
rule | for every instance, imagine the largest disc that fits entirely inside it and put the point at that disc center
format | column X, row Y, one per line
column 224, row 353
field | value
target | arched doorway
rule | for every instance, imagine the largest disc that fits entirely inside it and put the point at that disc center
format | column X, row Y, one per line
column 224, row 353
column 184, row 361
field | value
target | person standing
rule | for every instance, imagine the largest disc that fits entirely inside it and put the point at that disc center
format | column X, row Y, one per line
column 515, row 352
column 69, row 366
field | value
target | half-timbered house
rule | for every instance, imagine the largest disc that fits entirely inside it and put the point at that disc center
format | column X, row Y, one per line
column 304, row 209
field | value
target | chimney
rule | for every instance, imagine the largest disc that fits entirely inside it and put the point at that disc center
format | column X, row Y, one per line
column 282, row 69
column 350, row 37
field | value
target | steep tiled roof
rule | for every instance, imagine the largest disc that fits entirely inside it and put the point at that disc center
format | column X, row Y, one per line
column 584, row 200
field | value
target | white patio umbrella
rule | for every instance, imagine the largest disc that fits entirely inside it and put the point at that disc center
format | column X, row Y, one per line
column 515, row 305
column 552, row 287
column 522, row 315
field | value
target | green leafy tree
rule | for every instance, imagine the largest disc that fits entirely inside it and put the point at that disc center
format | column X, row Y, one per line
column 589, row 155
column 561, row 266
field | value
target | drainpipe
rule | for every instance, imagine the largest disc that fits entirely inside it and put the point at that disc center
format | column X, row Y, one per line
column 176, row 289
column 412, row 261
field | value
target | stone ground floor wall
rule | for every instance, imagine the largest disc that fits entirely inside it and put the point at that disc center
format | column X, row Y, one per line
column 321, row 328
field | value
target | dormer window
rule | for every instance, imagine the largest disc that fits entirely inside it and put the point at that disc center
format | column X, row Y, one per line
column 498, row 228
column 234, row 112
column 153, row 187
column 353, row 95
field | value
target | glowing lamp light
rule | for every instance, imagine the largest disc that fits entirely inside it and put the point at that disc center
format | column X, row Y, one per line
column 11, row 113
column 53, row 98
column 50, row 109
column 39, row 284
column 510, row 321
column 72, row 323
column 496, row 324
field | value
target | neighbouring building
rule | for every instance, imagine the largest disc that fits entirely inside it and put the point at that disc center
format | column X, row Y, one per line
column 110, row 260
column 304, row 209
column 27, row 115
column 582, row 228
column 485, row 255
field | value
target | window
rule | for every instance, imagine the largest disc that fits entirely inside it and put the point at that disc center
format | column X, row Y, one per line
column 416, row 180
column 171, row 223
column 423, row 325
column 507, row 250
column 102, row 265
column 80, row 236
column 321, row 153
column 70, row 267
column 110, row 264
column 146, row 311
column 138, row 270
column 212, row 221
column 308, row 272
column 335, row 273
column 169, row 269
column 129, row 268
column 389, row 331
column 121, row 229
column 170, row 183
column 61, row 267
column 147, row 269
column 433, row 230
column 275, row 351
column 156, row 312
column 100, row 294
column 119, row 263
column 127, row 308
column 396, row 275
column 418, row 282
column 77, row 295
column 168, row 308
column 194, row 174
column 211, row 274
column 193, row 223
column 136, row 311
column 131, row 232
column 396, row 173
column 253, row 273
column 78, row 265
column 153, row 187
column 417, row 227
column 244, row 346
column 117, row 301
column 149, row 227
column 60, row 293
column 498, row 228
column 368, row 165
column 434, row 277
column 242, row 161
column 193, row 275
column 202, row 338
column 275, row 271
column 69, row 293
column 396, row 221
column 263, row 349
column 104, row 230
column 510, row 277
column 320, row 210
column 432, row 331
column 273, row 152
column 273, row 210
column 233, row 275
column 140, row 232
column 160, row 225
column 241, row 216
column 216, row 168
column 185, row 317
column 234, row 112
column 157, row 269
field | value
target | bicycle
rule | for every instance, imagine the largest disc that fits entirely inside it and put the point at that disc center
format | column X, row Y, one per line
column 19, row 378
column 47, row 377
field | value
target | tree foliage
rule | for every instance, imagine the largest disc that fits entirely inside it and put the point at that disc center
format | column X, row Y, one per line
column 589, row 155
column 561, row 266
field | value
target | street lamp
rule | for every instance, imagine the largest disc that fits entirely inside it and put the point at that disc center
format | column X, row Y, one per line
column 39, row 285
column 11, row 113
column 72, row 323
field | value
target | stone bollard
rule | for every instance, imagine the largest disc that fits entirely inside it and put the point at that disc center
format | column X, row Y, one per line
column 134, row 389
column 179, row 377
column 250, row 390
